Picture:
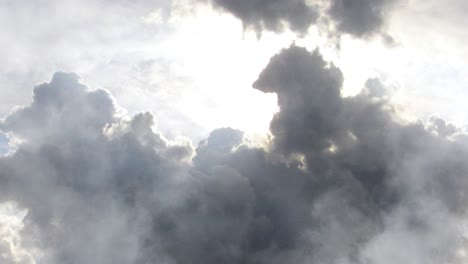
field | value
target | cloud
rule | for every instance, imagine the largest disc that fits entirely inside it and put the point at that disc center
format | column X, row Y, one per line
column 360, row 18
column 271, row 15
column 48, row 38
column 83, row 174
column 11, row 251
column 380, row 170
column 341, row 181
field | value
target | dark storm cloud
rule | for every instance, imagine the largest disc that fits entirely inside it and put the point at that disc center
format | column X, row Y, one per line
column 358, row 134
column 271, row 14
column 342, row 181
column 356, row 141
column 359, row 18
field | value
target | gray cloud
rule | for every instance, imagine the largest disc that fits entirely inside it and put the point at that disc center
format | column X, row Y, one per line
column 342, row 180
column 84, row 174
column 271, row 14
column 359, row 18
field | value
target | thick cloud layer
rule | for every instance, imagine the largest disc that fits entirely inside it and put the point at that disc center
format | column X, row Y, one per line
column 359, row 18
column 342, row 180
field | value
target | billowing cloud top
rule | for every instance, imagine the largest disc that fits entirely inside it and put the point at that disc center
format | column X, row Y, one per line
column 342, row 180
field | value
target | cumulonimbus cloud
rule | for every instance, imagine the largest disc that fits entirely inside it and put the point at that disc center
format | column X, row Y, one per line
column 342, row 180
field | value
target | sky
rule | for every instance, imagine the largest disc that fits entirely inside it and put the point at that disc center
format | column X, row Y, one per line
column 233, row 131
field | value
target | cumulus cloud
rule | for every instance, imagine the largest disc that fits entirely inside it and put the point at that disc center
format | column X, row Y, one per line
column 388, row 180
column 341, row 181
column 360, row 18
column 86, row 173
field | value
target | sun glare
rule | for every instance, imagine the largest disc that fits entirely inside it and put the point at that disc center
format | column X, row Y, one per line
column 222, row 61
